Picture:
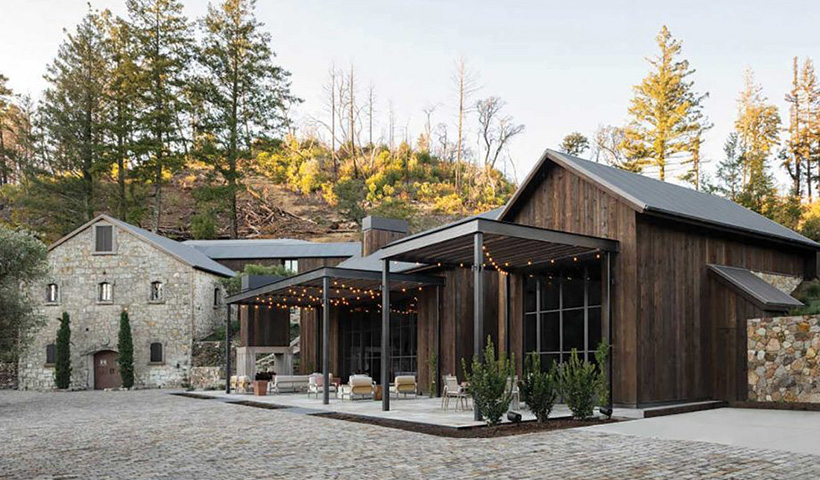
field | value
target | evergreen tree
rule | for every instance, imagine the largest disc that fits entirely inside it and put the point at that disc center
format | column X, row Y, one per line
column 5, row 120
column 72, row 114
column 730, row 169
column 125, row 347
column 242, row 94
column 163, row 42
column 666, row 110
column 575, row 144
column 62, row 368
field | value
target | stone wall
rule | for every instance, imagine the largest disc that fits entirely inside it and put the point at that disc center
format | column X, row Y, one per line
column 207, row 378
column 8, row 376
column 185, row 311
column 783, row 364
column 785, row 283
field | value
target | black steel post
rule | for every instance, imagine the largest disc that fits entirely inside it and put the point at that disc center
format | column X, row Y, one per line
column 228, row 349
column 478, row 304
column 326, row 339
column 437, row 374
column 609, row 323
column 385, row 380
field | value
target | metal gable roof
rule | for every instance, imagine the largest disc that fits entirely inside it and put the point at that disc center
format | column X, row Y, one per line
column 653, row 196
column 185, row 254
column 755, row 287
column 273, row 248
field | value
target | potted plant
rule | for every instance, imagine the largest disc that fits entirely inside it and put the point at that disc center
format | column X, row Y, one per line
column 260, row 383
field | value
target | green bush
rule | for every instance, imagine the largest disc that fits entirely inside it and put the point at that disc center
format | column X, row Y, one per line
column 602, row 359
column 488, row 384
column 538, row 389
column 62, row 369
column 125, row 345
column 578, row 382
column 432, row 360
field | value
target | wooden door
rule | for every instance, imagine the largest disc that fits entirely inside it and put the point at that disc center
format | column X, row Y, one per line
column 106, row 370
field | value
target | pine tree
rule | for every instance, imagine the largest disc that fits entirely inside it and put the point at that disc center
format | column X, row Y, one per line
column 666, row 110
column 62, row 367
column 575, row 144
column 796, row 157
column 242, row 95
column 72, row 111
column 730, row 169
column 163, row 41
column 757, row 126
column 125, row 347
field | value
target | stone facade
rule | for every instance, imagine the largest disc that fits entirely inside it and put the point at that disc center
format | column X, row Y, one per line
column 783, row 363
column 785, row 283
column 185, row 312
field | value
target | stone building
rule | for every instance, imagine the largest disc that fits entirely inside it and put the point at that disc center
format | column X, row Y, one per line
column 172, row 293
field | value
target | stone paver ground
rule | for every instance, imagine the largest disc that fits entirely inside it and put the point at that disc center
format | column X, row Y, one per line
column 150, row 434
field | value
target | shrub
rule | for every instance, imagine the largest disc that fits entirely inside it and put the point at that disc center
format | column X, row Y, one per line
column 578, row 382
column 602, row 359
column 62, row 368
column 538, row 388
column 488, row 384
column 125, row 345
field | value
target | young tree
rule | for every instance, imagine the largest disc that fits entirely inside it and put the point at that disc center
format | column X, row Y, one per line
column 164, row 45
column 757, row 126
column 575, row 144
column 496, row 130
column 23, row 261
column 666, row 110
column 608, row 147
column 125, row 348
column 62, row 367
column 730, row 169
column 466, row 85
column 243, row 94
column 73, row 110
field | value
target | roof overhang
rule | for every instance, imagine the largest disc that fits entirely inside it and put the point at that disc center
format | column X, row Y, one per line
column 347, row 287
column 754, row 288
column 507, row 246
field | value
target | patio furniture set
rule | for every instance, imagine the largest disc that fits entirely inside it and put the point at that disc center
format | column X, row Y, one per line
column 460, row 393
column 358, row 386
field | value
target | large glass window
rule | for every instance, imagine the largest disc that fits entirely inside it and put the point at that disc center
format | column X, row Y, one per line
column 562, row 312
column 361, row 343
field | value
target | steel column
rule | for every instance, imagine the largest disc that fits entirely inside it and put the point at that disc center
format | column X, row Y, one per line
column 326, row 339
column 228, row 349
column 437, row 374
column 385, row 380
column 608, row 306
column 478, row 303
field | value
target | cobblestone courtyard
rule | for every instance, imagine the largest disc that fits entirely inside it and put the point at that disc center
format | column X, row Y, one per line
column 150, row 434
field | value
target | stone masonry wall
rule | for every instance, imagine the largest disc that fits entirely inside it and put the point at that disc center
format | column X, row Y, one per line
column 783, row 363
column 185, row 310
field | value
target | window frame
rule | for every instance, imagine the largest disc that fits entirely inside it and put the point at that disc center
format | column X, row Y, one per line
column 161, row 295
column 49, row 299
column 218, row 300
column 113, row 250
column 151, row 360
column 101, row 290
column 288, row 262
column 51, row 346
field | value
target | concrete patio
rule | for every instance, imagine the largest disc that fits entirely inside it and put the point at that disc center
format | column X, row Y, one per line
column 420, row 409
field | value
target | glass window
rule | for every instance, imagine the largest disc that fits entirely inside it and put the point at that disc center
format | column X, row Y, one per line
column 572, row 285
column 595, row 328
column 218, row 298
column 573, row 332
column 550, row 291
column 529, row 293
column 51, row 354
column 291, row 264
column 156, row 291
column 52, row 293
column 105, row 292
column 103, row 238
column 156, row 352
column 530, row 333
column 550, row 332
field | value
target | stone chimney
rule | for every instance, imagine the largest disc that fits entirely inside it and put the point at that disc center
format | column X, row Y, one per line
column 379, row 231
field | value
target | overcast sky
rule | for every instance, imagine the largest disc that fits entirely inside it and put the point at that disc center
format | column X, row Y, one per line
column 561, row 66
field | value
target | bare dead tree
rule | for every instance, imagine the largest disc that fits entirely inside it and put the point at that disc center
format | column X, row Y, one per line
column 496, row 130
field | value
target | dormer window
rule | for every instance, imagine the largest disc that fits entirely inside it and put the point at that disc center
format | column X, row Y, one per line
column 105, row 292
column 52, row 293
column 103, row 239
column 156, row 292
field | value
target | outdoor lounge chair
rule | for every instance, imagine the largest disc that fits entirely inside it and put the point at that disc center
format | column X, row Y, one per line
column 292, row 383
column 361, row 385
column 404, row 385
column 453, row 390
column 316, row 385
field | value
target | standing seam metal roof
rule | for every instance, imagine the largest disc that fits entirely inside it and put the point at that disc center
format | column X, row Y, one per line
column 275, row 248
column 650, row 195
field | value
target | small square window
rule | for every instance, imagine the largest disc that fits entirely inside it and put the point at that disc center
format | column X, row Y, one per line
column 292, row 265
column 156, row 291
column 52, row 293
column 105, row 292
column 103, row 239
column 51, row 354
column 156, row 352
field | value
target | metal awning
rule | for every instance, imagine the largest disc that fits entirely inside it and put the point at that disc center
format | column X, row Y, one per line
column 506, row 246
column 755, row 288
column 347, row 287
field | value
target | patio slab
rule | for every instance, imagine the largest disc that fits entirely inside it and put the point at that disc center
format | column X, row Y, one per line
column 422, row 410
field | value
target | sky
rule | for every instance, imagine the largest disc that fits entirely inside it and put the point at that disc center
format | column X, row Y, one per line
column 560, row 66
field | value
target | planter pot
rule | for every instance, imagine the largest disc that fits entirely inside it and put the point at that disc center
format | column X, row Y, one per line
column 260, row 387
